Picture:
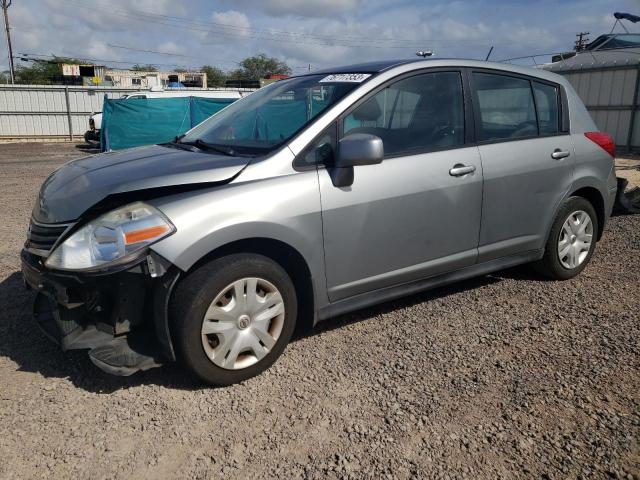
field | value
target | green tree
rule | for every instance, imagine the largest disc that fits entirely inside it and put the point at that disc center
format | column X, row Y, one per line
column 43, row 72
column 144, row 68
column 5, row 77
column 259, row 66
column 215, row 76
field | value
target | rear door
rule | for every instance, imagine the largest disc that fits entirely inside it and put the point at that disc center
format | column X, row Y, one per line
column 417, row 214
column 527, row 160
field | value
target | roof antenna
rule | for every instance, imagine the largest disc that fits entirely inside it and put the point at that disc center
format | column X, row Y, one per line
column 489, row 54
column 425, row 54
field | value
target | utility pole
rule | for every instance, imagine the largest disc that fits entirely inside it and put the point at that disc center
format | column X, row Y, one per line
column 582, row 41
column 5, row 9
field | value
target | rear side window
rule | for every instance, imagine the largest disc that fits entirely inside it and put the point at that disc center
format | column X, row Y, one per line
column 547, row 105
column 506, row 106
column 418, row 113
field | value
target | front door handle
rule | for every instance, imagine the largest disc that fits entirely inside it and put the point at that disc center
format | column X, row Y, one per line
column 459, row 170
column 559, row 154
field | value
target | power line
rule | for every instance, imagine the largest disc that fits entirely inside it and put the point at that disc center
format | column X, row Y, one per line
column 148, row 51
column 217, row 62
column 48, row 58
column 168, row 54
column 77, row 57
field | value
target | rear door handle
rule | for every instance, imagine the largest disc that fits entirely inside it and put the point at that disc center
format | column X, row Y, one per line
column 558, row 154
column 459, row 170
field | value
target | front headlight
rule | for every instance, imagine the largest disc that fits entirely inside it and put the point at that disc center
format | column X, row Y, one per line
column 111, row 237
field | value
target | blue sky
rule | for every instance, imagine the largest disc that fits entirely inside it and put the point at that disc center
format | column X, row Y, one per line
column 319, row 33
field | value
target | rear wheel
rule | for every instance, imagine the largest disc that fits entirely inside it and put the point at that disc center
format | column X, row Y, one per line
column 571, row 241
column 233, row 317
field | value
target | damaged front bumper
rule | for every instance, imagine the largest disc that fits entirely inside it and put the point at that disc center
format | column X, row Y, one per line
column 119, row 315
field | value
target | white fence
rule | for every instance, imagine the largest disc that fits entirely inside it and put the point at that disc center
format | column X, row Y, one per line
column 50, row 112
column 44, row 112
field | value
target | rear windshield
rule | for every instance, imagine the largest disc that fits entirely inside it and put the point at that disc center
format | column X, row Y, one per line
column 272, row 115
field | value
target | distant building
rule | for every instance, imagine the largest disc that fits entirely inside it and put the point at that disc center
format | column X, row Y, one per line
column 274, row 77
column 100, row 75
column 606, row 76
column 145, row 80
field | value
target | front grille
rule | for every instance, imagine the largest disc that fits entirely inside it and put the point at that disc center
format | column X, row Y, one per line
column 42, row 237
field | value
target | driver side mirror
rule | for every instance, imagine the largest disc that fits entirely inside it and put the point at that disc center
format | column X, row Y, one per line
column 355, row 150
column 359, row 149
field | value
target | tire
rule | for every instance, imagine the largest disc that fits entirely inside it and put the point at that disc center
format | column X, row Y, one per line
column 571, row 264
column 235, row 342
column 91, row 137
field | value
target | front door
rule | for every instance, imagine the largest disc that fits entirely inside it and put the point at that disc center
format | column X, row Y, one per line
column 417, row 214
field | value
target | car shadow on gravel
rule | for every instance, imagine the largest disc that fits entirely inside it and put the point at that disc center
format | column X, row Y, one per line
column 401, row 303
column 23, row 342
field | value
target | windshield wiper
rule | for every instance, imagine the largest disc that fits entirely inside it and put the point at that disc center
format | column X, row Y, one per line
column 201, row 144
column 176, row 143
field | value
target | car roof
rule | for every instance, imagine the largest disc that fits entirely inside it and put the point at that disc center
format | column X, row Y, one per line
column 410, row 64
column 369, row 67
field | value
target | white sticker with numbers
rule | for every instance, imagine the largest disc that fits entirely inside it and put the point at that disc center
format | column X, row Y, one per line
column 346, row 77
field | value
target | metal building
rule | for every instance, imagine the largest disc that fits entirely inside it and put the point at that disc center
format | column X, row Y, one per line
column 608, row 81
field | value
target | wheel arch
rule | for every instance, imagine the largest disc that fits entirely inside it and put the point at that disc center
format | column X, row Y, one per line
column 284, row 255
column 596, row 199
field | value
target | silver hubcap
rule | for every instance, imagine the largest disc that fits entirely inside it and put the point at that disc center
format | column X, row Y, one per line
column 243, row 323
column 575, row 239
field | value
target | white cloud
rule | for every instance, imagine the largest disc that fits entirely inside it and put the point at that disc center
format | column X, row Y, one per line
column 230, row 26
column 301, row 8
column 171, row 47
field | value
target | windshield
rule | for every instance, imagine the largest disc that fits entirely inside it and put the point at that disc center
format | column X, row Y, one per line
column 270, row 116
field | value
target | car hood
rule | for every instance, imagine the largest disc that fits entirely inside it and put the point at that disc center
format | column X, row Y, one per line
column 80, row 184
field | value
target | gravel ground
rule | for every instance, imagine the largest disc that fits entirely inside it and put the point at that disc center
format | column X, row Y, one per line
column 503, row 376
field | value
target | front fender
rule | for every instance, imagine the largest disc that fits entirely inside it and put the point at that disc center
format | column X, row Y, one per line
column 284, row 208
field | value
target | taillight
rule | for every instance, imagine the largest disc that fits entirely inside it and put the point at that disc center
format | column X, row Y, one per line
column 603, row 140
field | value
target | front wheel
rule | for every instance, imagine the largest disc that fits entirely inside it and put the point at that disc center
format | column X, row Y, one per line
column 233, row 317
column 571, row 241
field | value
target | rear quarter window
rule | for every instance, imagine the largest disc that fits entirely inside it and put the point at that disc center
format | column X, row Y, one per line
column 547, row 104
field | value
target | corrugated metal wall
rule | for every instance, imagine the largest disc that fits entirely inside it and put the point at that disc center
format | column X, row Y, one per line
column 611, row 95
column 40, row 111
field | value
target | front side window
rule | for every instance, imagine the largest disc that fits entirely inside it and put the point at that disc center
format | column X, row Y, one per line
column 506, row 106
column 272, row 115
column 422, row 112
column 547, row 106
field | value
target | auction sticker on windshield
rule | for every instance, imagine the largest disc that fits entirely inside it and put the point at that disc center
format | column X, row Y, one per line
column 346, row 77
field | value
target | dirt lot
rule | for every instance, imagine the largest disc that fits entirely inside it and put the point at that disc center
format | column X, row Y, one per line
column 503, row 376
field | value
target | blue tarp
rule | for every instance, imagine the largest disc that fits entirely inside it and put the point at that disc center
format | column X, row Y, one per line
column 147, row 121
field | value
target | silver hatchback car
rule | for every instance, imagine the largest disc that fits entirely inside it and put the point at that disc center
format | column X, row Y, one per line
column 314, row 196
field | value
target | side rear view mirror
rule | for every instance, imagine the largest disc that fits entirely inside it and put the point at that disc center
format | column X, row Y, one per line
column 359, row 149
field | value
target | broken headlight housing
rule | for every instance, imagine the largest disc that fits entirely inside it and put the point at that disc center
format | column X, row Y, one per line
column 111, row 237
